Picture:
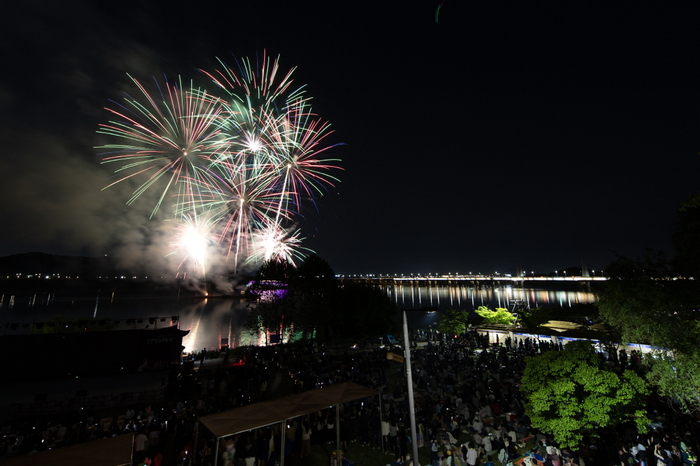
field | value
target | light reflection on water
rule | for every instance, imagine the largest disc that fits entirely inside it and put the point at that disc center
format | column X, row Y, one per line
column 469, row 298
column 211, row 319
column 207, row 319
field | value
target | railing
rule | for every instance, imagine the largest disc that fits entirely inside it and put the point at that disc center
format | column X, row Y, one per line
column 82, row 325
column 468, row 278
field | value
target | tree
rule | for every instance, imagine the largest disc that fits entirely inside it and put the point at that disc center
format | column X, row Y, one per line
column 648, row 304
column 269, row 302
column 685, row 239
column 533, row 318
column 315, row 290
column 453, row 322
column 312, row 299
column 281, row 271
column 677, row 378
column 499, row 316
column 572, row 393
column 362, row 311
column 265, row 316
column 653, row 300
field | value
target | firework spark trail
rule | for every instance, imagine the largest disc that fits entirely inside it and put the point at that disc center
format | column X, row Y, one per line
column 260, row 89
column 304, row 171
column 242, row 163
column 171, row 140
column 278, row 134
column 285, row 143
column 243, row 201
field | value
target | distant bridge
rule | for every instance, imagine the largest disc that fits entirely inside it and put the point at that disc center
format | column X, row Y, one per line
column 466, row 279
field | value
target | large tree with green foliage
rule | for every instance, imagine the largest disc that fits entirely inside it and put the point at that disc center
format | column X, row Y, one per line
column 535, row 317
column 269, row 303
column 499, row 316
column 653, row 300
column 677, row 378
column 648, row 304
column 644, row 302
column 453, row 322
column 312, row 299
column 572, row 393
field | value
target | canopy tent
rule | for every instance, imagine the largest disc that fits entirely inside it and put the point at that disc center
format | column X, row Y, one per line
column 113, row 451
column 266, row 413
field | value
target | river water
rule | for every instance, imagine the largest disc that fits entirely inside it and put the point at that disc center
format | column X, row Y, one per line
column 209, row 320
column 463, row 297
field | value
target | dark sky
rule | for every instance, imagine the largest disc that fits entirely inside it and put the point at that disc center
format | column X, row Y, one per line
column 534, row 133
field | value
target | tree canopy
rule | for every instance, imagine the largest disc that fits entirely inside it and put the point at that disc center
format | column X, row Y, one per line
column 363, row 310
column 314, row 289
column 677, row 378
column 686, row 238
column 499, row 316
column 453, row 322
column 572, row 393
column 648, row 304
column 536, row 317
column 655, row 300
column 315, row 303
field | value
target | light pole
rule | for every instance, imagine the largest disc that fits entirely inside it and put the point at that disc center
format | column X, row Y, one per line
column 97, row 302
column 409, row 377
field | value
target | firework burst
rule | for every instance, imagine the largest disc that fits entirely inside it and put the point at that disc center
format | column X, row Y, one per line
column 276, row 244
column 194, row 235
column 163, row 141
column 238, row 164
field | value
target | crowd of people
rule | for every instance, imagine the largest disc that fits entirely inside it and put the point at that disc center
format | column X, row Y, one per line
column 468, row 407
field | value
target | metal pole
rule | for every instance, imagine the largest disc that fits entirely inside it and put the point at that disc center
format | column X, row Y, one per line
column 97, row 302
column 282, row 441
column 196, row 438
column 381, row 417
column 216, row 457
column 339, row 461
column 411, row 407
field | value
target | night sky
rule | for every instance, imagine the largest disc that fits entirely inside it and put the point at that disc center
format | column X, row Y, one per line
column 534, row 133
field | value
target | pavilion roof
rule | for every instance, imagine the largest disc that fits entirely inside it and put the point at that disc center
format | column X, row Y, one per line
column 265, row 413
